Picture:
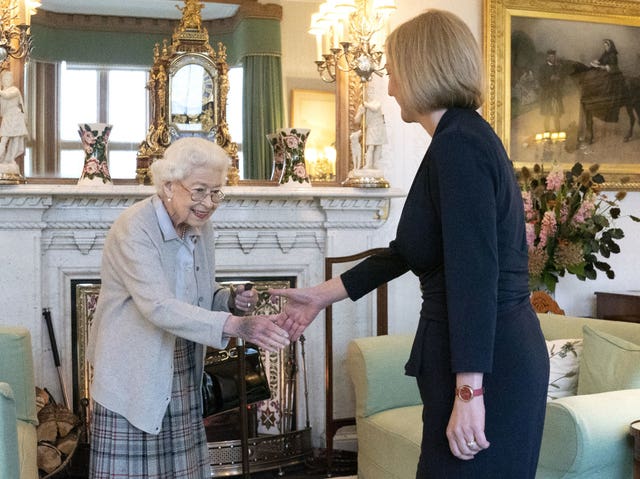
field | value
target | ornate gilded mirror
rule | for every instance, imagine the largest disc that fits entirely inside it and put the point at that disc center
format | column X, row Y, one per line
column 188, row 87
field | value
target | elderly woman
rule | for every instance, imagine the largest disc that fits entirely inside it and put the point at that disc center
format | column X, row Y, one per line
column 159, row 306
column 479, row 356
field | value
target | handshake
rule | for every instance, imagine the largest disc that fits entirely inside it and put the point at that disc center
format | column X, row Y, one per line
column 274, row 332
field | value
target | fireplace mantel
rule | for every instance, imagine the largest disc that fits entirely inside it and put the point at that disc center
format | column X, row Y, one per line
column 54, row 234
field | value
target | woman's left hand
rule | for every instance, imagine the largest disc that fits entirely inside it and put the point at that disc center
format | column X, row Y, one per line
column 245, row 300
column 465, row 431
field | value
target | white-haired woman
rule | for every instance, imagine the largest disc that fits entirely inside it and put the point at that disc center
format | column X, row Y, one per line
column 159, row 306
column 479, row 355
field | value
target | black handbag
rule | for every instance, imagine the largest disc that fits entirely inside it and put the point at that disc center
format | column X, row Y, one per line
column 220, row 381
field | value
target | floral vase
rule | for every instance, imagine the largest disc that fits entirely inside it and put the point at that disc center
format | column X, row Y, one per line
column 289, row 143
column 94, row 137
column 278, row 157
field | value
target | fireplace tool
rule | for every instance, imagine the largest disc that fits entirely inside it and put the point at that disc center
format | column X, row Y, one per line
column 289, row 391
column 56, row 356
column 304, row 375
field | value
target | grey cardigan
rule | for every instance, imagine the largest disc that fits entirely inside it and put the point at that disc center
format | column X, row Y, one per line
column 138, row 317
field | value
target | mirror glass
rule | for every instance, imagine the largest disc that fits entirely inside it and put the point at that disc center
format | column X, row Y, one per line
column 192, row 100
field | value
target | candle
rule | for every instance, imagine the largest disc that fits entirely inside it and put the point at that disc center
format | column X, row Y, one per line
column 319, row 47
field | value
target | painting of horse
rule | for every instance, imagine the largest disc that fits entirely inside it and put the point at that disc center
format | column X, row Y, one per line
column 602, row 95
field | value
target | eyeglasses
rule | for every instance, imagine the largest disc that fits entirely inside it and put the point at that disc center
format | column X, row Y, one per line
column 199, row 194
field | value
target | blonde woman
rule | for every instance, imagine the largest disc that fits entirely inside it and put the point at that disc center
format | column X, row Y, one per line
column 479, row 355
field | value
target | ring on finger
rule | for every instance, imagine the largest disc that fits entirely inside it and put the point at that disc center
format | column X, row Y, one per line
column 471, row 443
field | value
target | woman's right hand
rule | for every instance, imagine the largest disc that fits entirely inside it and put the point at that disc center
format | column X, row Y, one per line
column 264, row 331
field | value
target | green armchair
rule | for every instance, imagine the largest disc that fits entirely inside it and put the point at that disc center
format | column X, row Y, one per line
column 18, row 416
column 585, row 436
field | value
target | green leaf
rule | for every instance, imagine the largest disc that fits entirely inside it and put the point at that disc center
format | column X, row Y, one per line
column 616, row 233
column 602, row 266
column 635, row 218
column 610, row 274
column 597, row 178
column 614, row 212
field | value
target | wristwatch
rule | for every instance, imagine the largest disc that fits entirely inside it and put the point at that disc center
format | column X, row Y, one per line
column 466, row 393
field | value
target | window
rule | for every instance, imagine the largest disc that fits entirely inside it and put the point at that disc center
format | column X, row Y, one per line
column 102, row 95
column 75, row 93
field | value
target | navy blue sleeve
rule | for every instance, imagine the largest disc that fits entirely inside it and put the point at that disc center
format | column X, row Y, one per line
column 372, row 272
column 463, row 181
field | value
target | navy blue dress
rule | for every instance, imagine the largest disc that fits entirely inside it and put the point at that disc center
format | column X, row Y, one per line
column 462, row 233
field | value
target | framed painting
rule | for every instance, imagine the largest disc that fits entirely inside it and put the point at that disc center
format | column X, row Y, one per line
column 316, row 110
column 563, row 82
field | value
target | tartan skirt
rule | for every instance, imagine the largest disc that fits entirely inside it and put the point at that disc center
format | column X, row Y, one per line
column 179, row 451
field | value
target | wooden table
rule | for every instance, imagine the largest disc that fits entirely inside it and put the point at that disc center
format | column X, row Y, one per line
column 623, row 306
column 635, row 432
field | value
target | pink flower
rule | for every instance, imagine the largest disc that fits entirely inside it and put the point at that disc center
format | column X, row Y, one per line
column 548, row 227
column 585, row 210
column 299, row 170
column 555, row 179
column 530, row 229
column 291, row 141
column 564, row 212
column 87, row 137
column 92, row 166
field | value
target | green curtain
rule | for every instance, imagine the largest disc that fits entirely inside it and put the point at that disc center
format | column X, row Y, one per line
column 263, row 113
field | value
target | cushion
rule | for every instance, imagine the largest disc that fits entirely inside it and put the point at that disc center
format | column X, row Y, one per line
column 564, row 361
column 609, row 363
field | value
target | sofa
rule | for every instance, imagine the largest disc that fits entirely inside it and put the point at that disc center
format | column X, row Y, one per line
column 586, row 434
column 18, row 416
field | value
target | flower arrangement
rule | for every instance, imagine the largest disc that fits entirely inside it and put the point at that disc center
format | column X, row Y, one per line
column 569, row 223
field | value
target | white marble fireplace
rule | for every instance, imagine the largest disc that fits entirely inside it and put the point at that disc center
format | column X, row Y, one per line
column 52, row 235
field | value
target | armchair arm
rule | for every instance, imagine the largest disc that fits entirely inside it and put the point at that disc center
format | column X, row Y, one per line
column 9, row 462
column 588, row 436
column 16, row 358
column 376, row 367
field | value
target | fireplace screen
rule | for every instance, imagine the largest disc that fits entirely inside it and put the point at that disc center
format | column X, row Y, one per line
column 274, row 416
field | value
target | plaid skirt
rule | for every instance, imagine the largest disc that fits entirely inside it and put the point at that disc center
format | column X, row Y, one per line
column 179, row 451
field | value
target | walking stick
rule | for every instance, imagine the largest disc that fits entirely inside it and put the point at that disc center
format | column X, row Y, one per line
column 56, row 357
column 244, row 413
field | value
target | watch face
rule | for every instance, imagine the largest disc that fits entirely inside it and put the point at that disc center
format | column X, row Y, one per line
column 465, row 393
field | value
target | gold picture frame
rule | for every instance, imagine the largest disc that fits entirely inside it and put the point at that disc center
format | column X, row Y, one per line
column 575, row 29
column 85, row 295
column 316, row 110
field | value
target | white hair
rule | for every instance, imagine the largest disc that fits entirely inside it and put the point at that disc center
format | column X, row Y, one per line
column 183, row 156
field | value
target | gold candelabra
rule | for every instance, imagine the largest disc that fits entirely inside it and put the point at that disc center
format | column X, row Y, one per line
column 15, row 37
column 345, row 32
column 348, row 34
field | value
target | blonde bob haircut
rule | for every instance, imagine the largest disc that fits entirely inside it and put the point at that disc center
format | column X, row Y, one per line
column 183, row 156
column 436, row 62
